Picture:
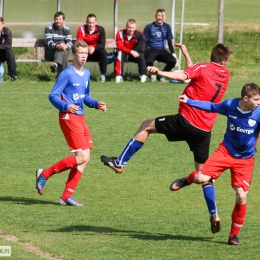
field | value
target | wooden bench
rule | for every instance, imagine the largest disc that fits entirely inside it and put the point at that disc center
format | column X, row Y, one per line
column 39, row 43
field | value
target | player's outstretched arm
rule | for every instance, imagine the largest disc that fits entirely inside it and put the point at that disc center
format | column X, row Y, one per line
column 185, row 54
column 172, row 75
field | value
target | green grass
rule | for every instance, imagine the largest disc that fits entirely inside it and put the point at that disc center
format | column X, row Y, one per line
column 129, row 216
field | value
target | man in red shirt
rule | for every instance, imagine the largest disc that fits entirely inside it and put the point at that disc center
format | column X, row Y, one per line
column 95, row 36
column 130, row 46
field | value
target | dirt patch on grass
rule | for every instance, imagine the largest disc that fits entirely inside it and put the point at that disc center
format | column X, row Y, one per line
column 29, row 247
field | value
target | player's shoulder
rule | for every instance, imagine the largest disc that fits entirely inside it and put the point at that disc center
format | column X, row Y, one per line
column 66, row 28
column 49, row 26
column 100, row 28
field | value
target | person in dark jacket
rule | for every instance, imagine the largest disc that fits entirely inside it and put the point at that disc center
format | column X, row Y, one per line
column 95, row 36
column 130, row 47
column 6, row 53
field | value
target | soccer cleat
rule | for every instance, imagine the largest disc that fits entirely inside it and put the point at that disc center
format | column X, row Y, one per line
column 233, row 241
column 111, row 162
column 153, row 78
column 215, row 223
column 102, row 78
column 180, row 183
column 70, row 202
column 40, row 181
column 143, row 78
column 118, row 79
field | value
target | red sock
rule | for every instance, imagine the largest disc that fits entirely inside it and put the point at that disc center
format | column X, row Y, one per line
column 191, row 177
column 60, row 166
column 238, row 218
column 72, row 183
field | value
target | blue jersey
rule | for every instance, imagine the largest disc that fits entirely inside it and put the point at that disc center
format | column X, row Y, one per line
column 242, row 126
column 157, row 35
column 72, row 88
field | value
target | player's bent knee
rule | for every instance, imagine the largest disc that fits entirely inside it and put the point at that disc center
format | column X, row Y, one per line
column 206, row 184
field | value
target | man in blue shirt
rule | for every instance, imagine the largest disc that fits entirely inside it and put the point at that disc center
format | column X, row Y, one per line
column 236, row 153
column 156, row 35
column 69, row 94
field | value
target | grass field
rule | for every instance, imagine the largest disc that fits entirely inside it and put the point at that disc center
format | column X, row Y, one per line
column 129, row 216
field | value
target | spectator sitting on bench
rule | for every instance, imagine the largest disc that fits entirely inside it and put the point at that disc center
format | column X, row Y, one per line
column 58, row 42
column 95, row 36
column 6, row 53
column 130, row 46
column 156, row 34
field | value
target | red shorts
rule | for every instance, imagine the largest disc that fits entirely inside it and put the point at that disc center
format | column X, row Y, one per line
column 75, row 131
column 221, row 160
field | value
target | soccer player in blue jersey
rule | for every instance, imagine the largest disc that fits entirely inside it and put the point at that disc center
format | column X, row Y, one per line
column 69, row 94
column 156, row 35
column 236, row 152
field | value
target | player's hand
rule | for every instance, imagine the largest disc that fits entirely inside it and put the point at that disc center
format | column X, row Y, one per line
column 135, row 54
column 102, row 106
column 182, row 47
column 153, row 70
column 72, row 108
column 91, row 50
column 183, row 98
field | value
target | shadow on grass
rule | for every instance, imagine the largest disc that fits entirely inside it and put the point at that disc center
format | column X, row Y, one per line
column 90, row 230
column 25, row 201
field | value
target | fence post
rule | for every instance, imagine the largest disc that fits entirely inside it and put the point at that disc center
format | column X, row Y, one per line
column 1, row 8
column 220, row 21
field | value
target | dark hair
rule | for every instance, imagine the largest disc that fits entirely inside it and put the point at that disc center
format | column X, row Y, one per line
column 78, row 44
column 59, row 14
column 250, row 89
column 220, row 52
column 1, row 19
column 160, row 10
column 91, row 16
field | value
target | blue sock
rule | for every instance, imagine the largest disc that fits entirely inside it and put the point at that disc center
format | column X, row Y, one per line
column 131, row 148
column 210, row 198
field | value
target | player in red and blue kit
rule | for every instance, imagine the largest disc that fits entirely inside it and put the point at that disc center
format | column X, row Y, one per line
column 236, row 152
column 69, row 94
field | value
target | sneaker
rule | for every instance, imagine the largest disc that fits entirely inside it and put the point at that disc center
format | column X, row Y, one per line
column 163, row 79
column 215, row 223
column 153, row 78
column 70, row 202
column 143, row 78
column 103, row 78
column 180, row 183
column 118, row 79
column 54, row 67
column 233, row 241
column 14, row 78
column 40, row 181
column 111, row 162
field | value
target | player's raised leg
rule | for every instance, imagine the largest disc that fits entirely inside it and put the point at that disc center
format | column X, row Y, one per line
column 135, row 144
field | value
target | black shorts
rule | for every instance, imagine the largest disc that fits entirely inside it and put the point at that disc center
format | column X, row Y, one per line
column 177, row 128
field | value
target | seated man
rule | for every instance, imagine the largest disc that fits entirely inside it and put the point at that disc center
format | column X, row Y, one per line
column 95, row 36
column 130, row 46
column 6, row 53
column 155, row 35
column 58, row 42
